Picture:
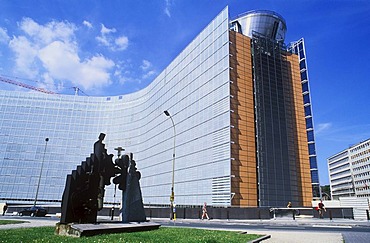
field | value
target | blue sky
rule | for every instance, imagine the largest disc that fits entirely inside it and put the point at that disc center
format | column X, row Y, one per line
column 112, row 47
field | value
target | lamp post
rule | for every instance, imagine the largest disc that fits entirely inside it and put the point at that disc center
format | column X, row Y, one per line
column 42, row 166
column 119, row 150
column 172, row 197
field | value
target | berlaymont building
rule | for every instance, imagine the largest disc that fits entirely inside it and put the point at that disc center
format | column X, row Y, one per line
column 240, row 125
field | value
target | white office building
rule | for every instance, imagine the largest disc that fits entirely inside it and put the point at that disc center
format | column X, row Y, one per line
column 349, row 171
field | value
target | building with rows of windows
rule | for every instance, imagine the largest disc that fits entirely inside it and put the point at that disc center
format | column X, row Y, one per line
column 349, row 171
column 240, row 102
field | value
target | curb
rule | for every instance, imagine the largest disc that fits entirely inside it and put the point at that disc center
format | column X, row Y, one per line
column 260, row 239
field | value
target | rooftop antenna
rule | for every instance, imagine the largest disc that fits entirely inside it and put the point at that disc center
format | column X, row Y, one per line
column 78, row 91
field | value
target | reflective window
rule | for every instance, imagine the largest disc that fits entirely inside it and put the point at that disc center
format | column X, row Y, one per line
column 304, row 75
column 313, row 162
column 315, row 176
column 306, row 99
column 311, row 148
column 309, row 123
column 300, row 45
column 305, row 87
column 302, row 65
column 310, row 136
column 307, row 110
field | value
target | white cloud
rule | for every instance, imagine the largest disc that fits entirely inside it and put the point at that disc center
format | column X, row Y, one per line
column 25, row 54
column 44, row 34
column 146, row 64
column 167, row 11
column 4, row 38
column 167, row 7
column 51, row 52
column 322, row 127
column 103, row 40
column 122, row 73
column 121, row 43
column 59, row 57
column 149, row 74
column 105, row 31
column 87, row 24
column 122, row 79
column 94, row 71
column 63, row 63
column 107, row 38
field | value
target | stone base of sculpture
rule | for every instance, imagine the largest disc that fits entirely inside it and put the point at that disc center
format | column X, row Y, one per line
column 81, row 230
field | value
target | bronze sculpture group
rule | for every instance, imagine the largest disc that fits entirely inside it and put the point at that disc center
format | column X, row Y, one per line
column 84, row 192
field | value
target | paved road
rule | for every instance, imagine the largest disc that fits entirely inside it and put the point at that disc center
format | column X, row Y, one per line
column 288, row 230
column 267, row 225
column 280, row 230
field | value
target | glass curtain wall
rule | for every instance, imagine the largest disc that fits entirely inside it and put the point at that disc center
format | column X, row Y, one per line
column 277, row 160
column 298, row 48
column 194, row 88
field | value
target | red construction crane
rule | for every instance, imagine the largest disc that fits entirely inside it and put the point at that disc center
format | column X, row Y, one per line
column 6, row 80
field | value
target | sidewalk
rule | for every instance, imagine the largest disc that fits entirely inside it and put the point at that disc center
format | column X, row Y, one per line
column 29, row 222
column 283, row 221
column 297, row 235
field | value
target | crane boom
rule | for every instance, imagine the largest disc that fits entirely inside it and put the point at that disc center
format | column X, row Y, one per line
column 6, row 80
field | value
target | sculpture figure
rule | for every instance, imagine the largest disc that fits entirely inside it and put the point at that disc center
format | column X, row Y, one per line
column 133, row 207
column 84, row 192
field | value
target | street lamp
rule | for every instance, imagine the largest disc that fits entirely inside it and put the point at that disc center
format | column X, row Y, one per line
column 42, row 165
column 172, row 197
column 119, row 150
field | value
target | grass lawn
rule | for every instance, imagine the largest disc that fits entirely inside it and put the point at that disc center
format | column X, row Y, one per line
column 11, row 222
column 163, row 234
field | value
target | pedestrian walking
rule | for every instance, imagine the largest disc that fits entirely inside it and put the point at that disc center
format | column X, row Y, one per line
column 204, row 209
column 5, row 208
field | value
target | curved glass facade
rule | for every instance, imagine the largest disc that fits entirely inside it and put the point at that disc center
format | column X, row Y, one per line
column 243, row 137
column 194, row 88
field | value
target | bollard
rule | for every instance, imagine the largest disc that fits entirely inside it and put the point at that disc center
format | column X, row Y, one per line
column 367, row 214
column 293, row 214
column 330, row 215
column 227, row 213
column 184, row 213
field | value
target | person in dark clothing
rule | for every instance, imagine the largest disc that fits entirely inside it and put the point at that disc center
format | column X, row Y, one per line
column 321, row 208
column 5, row 208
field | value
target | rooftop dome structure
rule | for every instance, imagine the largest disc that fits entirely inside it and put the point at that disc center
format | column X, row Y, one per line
column 265, row 22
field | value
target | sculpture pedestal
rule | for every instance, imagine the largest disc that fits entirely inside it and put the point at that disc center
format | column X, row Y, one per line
column 80, row 230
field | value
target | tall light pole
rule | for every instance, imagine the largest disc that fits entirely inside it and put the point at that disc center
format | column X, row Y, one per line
column 172, row 197
column 119, row 150
column 42, row 165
